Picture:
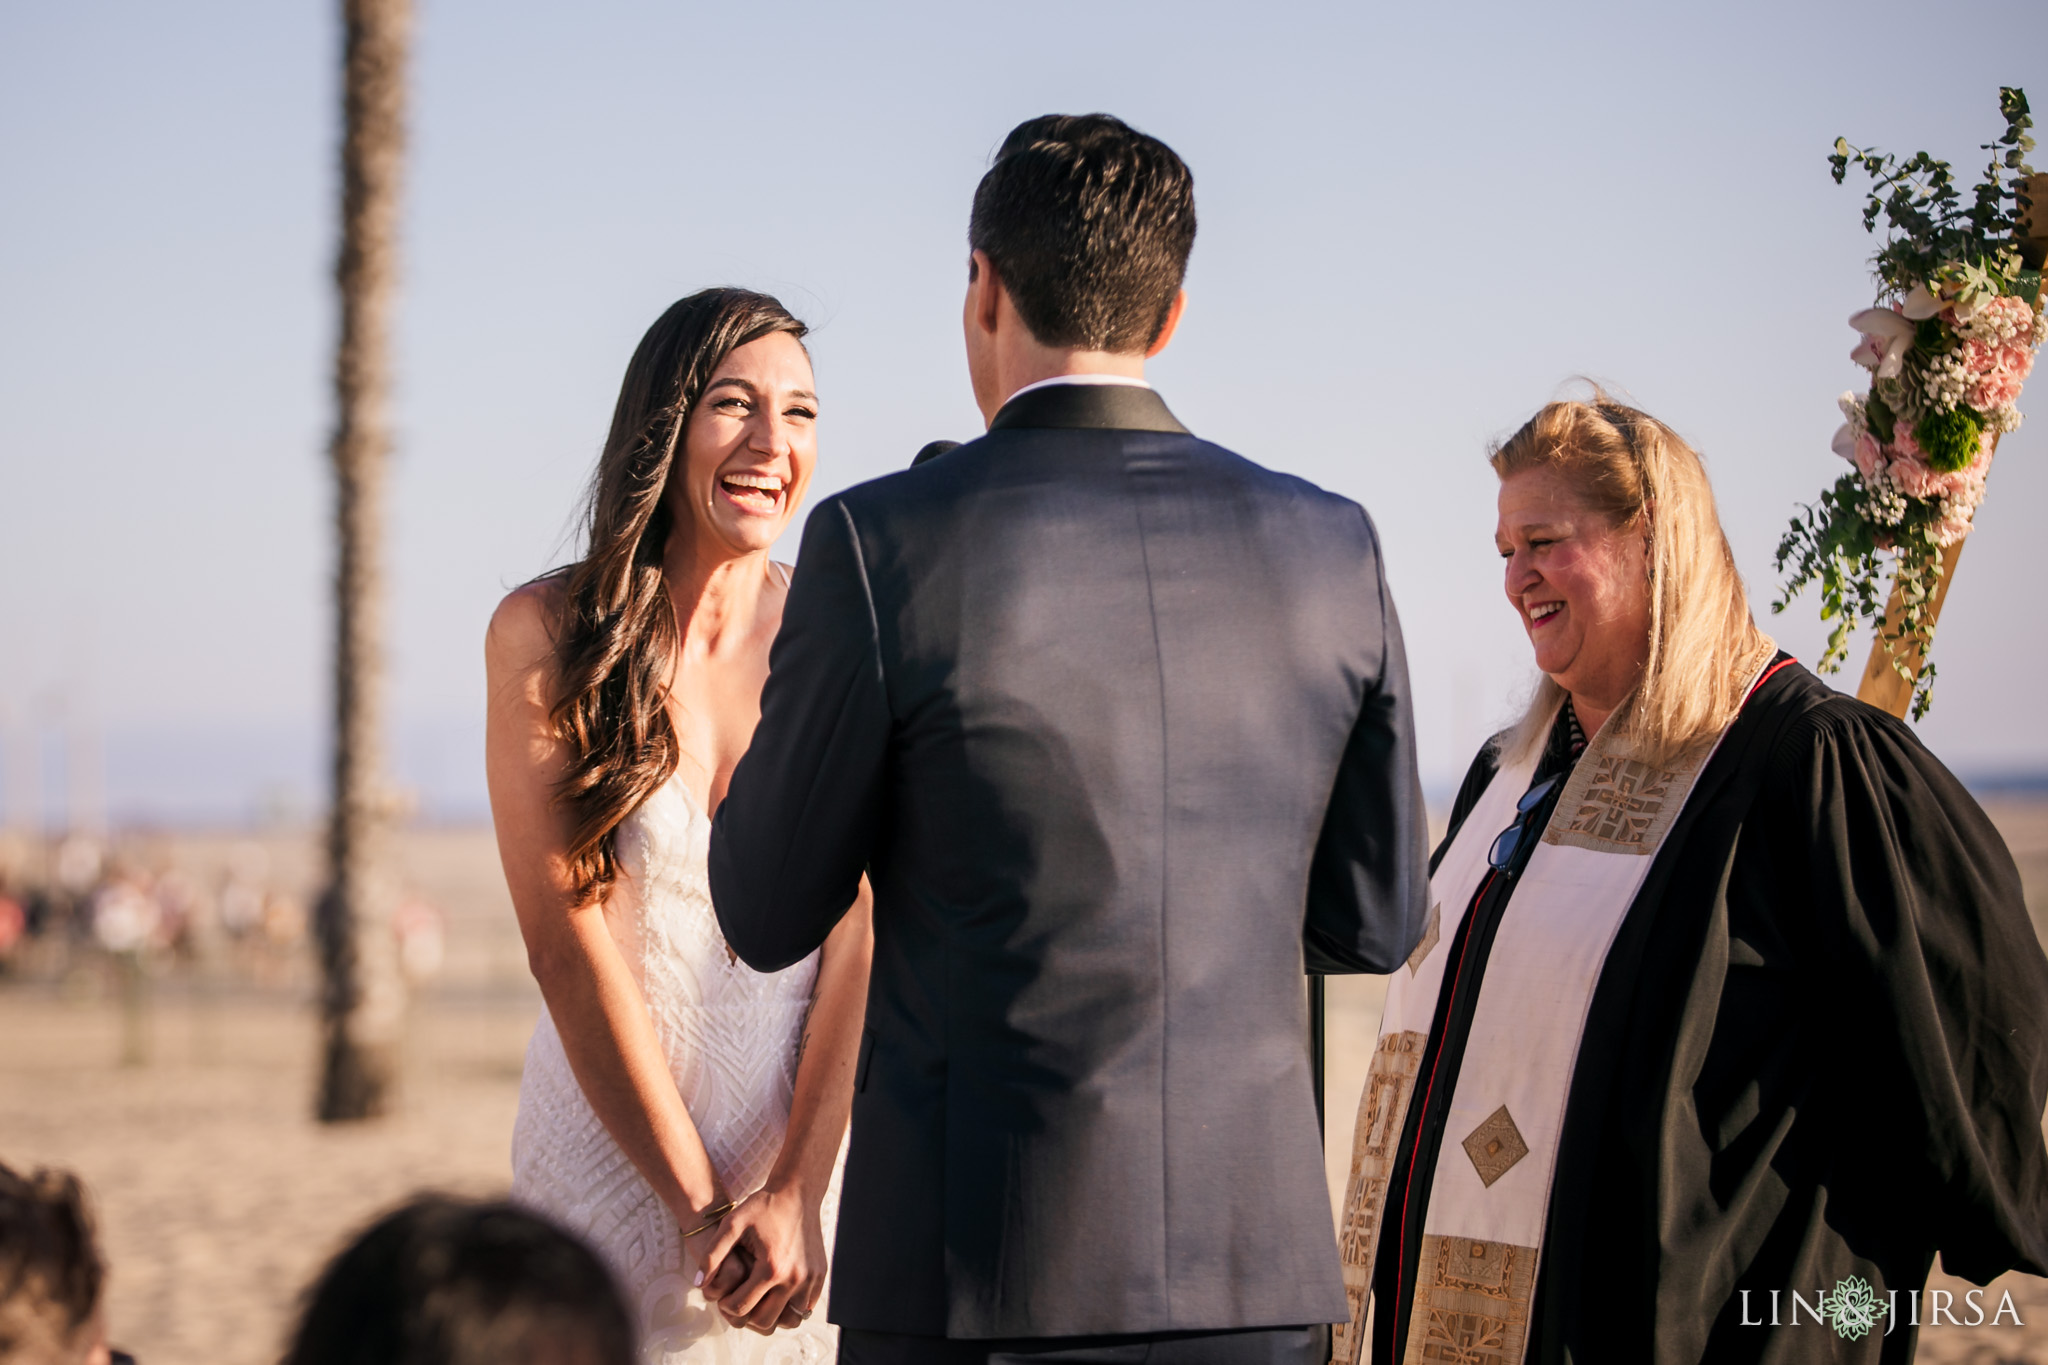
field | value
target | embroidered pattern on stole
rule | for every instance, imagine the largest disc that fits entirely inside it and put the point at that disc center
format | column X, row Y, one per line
column 1472, row 1304
column 1617, row 805
column 1495, row 1146
column 1382, row 1110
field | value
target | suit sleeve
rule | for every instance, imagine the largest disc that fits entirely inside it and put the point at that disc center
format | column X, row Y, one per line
column 791, row 839
column 1369, row 883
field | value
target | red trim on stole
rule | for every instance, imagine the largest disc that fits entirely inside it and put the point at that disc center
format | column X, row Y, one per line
column 1786, row 662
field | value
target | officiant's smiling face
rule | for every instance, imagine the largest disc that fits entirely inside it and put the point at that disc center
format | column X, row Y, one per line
column 750, row 447
column 1581, row 585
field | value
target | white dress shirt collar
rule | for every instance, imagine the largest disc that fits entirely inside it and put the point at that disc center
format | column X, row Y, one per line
column 1125, row 380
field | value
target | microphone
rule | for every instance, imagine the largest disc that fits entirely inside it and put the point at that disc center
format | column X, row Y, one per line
column 932, row 451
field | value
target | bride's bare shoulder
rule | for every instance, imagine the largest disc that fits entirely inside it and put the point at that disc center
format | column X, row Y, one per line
column 525, row 625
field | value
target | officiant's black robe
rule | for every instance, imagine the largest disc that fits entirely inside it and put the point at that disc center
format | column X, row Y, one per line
column 1818, row 1049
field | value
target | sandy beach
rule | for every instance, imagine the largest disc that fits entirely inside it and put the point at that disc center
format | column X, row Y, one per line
column 219, row 1197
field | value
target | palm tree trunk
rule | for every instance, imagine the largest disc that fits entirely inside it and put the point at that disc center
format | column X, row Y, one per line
column 362, row 997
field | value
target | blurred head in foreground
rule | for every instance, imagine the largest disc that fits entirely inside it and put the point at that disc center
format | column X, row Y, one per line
column 444, row 1281
column 51, row 1274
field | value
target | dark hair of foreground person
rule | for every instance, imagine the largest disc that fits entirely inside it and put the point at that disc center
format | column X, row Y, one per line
column 443, row 1281
column 51, row 1274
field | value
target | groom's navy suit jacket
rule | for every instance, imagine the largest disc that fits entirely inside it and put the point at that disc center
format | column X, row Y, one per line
column 1118, row 724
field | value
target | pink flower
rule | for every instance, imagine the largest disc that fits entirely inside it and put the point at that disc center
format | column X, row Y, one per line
column 1910, row 471
column 1916, row 480
column 1861, row 449
column 1959, row 509
column 2005, row 321
column 1996, row 373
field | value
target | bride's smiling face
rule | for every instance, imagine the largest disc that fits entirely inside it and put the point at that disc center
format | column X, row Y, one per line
column 750, row 447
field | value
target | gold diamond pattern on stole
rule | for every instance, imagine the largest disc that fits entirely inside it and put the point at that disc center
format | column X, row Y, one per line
column 1495, row 1146
column 1471, row 1302
column 1429, row 938
column 1382, row 1110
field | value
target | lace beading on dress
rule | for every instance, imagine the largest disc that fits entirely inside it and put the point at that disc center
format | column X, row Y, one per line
column 730, row 1034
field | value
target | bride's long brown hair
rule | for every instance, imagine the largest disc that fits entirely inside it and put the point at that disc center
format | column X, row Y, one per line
column 616, row 642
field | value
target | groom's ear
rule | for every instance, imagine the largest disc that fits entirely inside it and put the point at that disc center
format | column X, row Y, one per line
column 1168, row 327
column 984, row 292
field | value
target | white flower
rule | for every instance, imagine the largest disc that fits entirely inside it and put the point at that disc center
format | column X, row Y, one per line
column 1969, row 288
column 1886, row 338
column 1956, row 516
column 1844, row 443
column 1961, row 288
column 1947, row 381
column 1853, row 412
column 1883, row 503
column 1920, row 304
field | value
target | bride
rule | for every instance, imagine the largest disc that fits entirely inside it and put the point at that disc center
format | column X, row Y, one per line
column 681, row 1111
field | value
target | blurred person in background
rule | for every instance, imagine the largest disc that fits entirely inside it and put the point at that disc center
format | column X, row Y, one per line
column 422, row 938
column 445, row 1281
column 13, row 928
column 52, row 1280
column 678, row 1108
column 127, row 917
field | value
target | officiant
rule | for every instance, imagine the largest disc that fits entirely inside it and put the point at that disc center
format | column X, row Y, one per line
column 1728, row 996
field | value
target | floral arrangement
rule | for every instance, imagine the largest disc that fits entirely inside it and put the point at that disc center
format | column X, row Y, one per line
column 1952, row 339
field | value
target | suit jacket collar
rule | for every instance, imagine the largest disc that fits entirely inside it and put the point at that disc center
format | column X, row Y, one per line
column 1090, row 407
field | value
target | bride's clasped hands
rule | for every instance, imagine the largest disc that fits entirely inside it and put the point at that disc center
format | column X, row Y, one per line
column 681, row 1111
column 766, row 1260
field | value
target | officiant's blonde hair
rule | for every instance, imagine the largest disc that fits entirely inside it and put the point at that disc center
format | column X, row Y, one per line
column 1704, row 645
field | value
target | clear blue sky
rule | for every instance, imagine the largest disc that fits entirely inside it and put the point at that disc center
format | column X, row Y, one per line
column 1417, row 223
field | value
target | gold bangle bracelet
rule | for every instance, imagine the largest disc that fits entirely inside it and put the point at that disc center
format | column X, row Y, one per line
column 711, row 1218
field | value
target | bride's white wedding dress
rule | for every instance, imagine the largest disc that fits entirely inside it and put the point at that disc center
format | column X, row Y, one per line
column 730, row 1034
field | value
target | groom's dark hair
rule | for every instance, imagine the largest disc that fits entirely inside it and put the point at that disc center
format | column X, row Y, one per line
column 1088, row 223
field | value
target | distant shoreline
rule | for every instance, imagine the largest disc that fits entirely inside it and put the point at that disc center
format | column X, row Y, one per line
column 2029, row 784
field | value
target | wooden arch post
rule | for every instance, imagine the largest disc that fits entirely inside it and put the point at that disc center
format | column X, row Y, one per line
column 1883, row 685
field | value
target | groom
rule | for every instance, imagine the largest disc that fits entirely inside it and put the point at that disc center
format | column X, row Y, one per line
column 1118, row 724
